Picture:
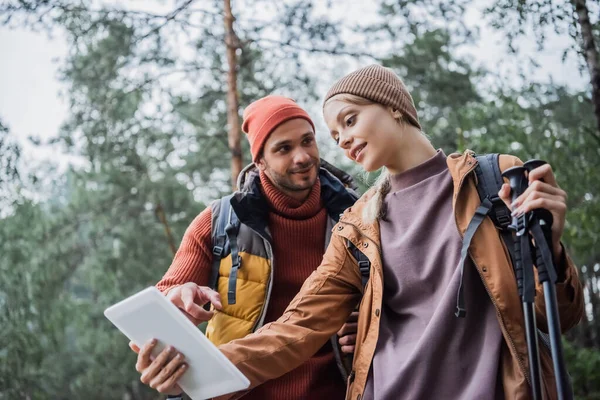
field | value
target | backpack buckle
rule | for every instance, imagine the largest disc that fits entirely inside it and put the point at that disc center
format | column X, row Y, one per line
column 504, row 220
column 364, row 267
column 501, row 213
column 218, row 251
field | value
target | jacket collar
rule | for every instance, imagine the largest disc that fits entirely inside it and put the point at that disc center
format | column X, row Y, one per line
column 252, row 209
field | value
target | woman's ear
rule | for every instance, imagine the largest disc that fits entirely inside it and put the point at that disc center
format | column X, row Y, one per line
column 396, row 114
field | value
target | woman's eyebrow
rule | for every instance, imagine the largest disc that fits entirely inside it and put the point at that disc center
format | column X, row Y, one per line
column 340, row 116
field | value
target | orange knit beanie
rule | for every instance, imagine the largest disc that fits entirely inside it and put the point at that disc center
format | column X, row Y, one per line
column 264, row 115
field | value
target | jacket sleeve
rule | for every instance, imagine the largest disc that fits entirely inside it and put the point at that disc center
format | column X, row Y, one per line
column 323, row 304
column 193, row 260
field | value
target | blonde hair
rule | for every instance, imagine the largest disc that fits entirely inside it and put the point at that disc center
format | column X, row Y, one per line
column 374, row 208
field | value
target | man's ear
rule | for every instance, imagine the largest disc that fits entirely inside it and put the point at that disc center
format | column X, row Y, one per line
column 260, row 163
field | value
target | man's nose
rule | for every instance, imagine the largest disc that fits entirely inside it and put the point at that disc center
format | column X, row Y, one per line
column 301, row 156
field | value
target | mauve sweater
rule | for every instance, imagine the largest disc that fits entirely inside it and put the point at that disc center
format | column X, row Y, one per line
column 423, row 350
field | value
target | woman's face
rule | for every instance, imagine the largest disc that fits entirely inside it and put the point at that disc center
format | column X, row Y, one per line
column 369, row 134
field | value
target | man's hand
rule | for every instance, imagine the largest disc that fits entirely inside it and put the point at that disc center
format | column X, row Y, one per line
column 163, row 371
column 348, row 334
column 190, row 298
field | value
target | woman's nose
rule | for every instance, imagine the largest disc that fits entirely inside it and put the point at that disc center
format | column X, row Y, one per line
column 345, row 140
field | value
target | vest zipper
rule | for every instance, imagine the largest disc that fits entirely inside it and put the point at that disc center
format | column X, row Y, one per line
column 510, row 339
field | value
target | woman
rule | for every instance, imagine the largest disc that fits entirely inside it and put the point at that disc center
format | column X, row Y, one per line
column 410, row 224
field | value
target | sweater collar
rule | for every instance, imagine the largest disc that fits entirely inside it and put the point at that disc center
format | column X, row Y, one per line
column 419, row 173
column 287, row 206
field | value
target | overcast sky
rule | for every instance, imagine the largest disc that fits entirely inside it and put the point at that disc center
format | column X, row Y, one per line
column 31, row 104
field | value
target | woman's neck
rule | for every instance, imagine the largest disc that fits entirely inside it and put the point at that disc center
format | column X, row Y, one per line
column 414, row 149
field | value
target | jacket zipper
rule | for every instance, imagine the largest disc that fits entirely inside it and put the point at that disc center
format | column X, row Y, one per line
column 510, row 339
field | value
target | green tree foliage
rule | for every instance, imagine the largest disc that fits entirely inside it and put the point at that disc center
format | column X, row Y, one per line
column 584, row 368
column 10, row 153
column 147, row 130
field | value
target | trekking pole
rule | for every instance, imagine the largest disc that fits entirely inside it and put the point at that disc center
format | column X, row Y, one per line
column 523, row 266
column 541, row 230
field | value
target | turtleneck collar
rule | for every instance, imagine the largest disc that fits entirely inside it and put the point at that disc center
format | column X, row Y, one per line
column 419, row 173
column 287, row 206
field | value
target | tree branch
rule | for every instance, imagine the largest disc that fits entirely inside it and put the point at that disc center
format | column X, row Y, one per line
column 313, row 49
column 168, row 18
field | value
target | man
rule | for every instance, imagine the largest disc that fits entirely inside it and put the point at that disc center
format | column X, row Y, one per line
column 286, row 207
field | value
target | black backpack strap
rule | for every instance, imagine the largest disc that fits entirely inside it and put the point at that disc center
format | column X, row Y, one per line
column 364, row 265
column 489, row 182
column 482, row 211
column 232, row 229
column 219, row 239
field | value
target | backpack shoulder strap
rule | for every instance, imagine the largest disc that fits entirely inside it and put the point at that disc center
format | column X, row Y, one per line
column 364, row 265
column 488, row 181
column 219, row 237
column 232, row 228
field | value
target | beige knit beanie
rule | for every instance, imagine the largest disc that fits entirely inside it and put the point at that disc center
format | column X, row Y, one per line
column 378, row 84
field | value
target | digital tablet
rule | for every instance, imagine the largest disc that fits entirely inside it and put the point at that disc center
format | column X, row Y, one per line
column 149, row 314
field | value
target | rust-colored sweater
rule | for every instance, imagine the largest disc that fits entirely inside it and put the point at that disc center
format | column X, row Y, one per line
column 298, row 235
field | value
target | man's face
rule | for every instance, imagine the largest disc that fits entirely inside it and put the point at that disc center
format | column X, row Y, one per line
column 290, row 157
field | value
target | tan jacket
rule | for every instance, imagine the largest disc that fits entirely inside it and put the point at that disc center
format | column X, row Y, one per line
column 330, row 294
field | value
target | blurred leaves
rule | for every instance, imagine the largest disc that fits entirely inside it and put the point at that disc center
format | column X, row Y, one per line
column 147, row 127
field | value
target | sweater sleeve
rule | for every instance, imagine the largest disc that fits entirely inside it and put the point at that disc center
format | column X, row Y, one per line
column 193, row 260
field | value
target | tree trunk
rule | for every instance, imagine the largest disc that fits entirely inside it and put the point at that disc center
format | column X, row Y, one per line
column 233, row 120
column 590, row 52
column 160, row 214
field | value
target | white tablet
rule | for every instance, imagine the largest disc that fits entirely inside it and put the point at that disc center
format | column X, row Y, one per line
column 149, row 314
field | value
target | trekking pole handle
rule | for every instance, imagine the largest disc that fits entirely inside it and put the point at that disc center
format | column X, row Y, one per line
column 542, row 215
column 533, row 164
column 516, row 179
